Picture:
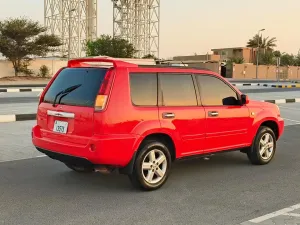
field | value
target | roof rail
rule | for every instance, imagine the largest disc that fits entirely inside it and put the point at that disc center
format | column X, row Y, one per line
column 82, row 62
column 177, row 67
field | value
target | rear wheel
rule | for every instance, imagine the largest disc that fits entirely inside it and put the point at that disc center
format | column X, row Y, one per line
column 80, row 169
column 263, row 149
column 152, row 166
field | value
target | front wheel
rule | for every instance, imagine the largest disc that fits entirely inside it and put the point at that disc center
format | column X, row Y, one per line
column 263, row 149
column 152, row 166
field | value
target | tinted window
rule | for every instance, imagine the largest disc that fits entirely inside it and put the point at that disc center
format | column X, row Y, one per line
column 143, row 88
column 178, row 90
column 90, row 80
column 213, row 91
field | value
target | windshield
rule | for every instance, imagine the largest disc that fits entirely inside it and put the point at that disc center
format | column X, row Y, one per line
column 88, row 81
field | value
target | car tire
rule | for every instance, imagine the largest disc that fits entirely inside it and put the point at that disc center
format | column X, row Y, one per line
column 148, row 173
column 80, row 169
column 263, row 148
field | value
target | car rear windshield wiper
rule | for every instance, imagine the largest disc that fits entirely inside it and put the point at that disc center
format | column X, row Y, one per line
column 65, row 92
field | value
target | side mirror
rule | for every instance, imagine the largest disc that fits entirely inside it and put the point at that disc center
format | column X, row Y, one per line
column 244, row 99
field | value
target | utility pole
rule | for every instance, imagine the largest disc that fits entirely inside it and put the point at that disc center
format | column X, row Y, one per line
column 257, row 52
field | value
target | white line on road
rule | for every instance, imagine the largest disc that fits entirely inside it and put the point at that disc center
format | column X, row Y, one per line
column 296, row 109
column 292, row 214
column 26, row 158
column 296, row 121
column 275, row 214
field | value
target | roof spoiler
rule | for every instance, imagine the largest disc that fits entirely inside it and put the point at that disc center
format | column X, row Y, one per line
column 105, row 61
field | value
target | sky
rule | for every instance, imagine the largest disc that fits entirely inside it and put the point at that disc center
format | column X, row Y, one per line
column 196, row 26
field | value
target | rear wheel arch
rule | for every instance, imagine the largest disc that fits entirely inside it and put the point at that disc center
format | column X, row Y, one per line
column 160, row 137
column 164, row 138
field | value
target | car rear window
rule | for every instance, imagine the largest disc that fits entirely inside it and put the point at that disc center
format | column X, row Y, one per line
column 89, row 79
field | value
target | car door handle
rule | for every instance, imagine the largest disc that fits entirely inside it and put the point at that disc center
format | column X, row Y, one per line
column 168, row 115
column 213, row 113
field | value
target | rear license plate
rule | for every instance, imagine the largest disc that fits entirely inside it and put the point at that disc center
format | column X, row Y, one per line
column 60, row 126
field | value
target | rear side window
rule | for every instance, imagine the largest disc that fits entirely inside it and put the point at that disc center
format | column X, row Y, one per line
column 143, row 89
column 89, row 79
column 177, row 90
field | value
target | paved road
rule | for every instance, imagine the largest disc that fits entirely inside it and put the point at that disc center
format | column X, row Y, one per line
column 223, row 190
column 19, row 100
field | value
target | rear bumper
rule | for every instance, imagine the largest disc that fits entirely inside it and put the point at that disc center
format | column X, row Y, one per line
column 111, row 150
column 66, row 158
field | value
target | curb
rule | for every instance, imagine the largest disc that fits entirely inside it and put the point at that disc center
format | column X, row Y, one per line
column 283, row 101
column 29, row 85
column 22, row 90
column 270, row 85
column 287, row 86
column 17, row 117
column 247, row 84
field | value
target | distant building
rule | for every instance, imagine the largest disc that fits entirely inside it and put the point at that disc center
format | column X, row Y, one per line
column 198, row 58
column 249, row 54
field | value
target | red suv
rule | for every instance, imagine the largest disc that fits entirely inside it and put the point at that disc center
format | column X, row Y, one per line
column 139, row 119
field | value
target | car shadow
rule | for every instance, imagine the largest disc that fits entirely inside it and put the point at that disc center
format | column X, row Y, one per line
column 181, row 171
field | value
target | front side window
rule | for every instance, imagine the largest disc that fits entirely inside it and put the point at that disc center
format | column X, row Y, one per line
column 177, row 90
column 214, row 92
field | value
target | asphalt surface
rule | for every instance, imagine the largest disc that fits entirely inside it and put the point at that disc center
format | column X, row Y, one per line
column 19, row 100
column 226, row 189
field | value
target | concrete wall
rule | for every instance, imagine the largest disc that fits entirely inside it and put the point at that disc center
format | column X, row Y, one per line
column 7, row 70
column 6, row 67
column 248, row 71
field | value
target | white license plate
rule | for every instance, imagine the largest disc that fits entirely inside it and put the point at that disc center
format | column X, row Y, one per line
column 60, row 126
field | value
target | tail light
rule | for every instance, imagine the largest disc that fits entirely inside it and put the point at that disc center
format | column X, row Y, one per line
column 100, row 102
column 104, row 91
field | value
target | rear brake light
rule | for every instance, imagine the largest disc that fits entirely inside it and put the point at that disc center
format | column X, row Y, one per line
column 104, row 91
column 100, row 102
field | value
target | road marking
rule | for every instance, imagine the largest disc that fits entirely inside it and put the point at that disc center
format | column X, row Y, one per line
column 292, row 214
column 297, row 109
column 12, row 160
column 294, row 124
column 296, row 121
column 275, row 214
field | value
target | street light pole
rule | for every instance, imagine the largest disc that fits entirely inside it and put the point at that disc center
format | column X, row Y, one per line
column 69, row 45
column 257, row 52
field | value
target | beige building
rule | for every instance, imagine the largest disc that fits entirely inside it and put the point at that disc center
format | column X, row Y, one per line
column 199, row 58
column 249, row 54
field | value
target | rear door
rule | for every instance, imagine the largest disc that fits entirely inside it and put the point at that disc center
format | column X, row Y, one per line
column 69, row 115
column 179, row 111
